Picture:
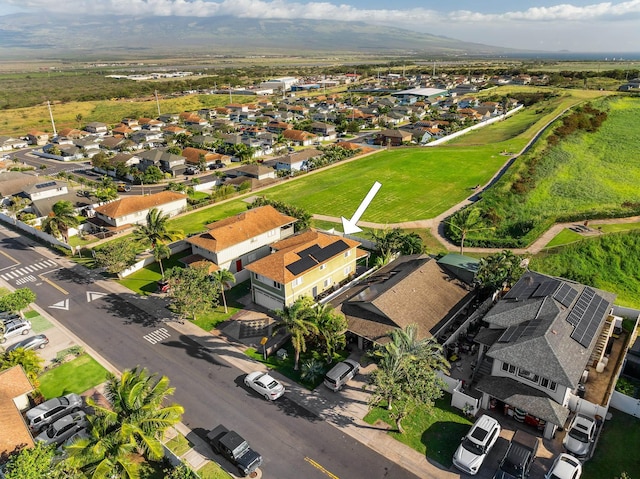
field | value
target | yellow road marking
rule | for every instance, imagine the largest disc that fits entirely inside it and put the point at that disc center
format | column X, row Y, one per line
column 10, row 257
column 320, row 468
column 63, row 291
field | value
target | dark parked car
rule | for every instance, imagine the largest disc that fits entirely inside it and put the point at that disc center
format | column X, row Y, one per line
column 64, row 428
column 38, row 341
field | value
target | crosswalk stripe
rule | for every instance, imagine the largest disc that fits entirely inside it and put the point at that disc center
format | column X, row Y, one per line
column 39, row 266
column 157, row 335
column 30, row 269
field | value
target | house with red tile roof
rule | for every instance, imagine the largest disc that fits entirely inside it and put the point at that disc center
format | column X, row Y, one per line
column 131, row 210
column 14, row 390
column 299, row 137
column 307, row 264
column 235, row 242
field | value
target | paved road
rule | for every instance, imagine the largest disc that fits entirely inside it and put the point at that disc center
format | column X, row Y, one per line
column 294, row 442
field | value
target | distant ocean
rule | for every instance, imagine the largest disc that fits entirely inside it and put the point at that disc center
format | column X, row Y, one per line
column 578, row 56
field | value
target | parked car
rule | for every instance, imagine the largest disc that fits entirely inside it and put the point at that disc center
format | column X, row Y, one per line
column 52, row 410
column 63, row 428
column 476, row 444
column 38, row 341
column 580, row 435
column 192, row 171
column 216, row 166
column 14, row 327
column 235, row 448
column 340, row 374
column 265, row 385
column 123, row 187
column 517, row 461
column 565, row 467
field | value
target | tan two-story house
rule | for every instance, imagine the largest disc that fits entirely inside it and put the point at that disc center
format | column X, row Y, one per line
column 307, row 264
column 235, row 242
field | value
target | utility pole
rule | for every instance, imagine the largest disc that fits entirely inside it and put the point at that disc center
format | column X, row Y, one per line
column 230, row 98
column 157, row 102
column 55, row 133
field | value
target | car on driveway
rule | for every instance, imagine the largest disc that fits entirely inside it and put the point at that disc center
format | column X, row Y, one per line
column 580, row 435
column 14, row 327
column 340, row 374
column 476, row 444
column 63, row 428
column 270, row 388
column 565, row 467
column 49, row 411
column 38, row 341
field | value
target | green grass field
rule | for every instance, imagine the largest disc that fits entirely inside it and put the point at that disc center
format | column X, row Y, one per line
column 435, row 431
column 76, row 376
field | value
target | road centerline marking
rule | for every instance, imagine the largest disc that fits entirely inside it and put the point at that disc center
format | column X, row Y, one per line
column 320, row 468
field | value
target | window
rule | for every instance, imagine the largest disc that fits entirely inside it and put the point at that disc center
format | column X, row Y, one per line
column 523, row 373
column 272, row 233
column 296, row 282
column 546, row 383
column 347, row 271
column 347, row 254
column 277, row 285
column 327, row 282
column 322, row 266
column 251, row 257
column 511, row 369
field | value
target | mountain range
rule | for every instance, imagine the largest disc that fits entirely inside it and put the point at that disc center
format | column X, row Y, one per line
column 111, row 37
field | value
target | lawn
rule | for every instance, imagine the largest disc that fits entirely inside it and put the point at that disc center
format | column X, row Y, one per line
column 615, row 451
column 210, row 321
column 39, row 324
column 286, row 366
column 76, row 376
column 145, row 280
column 434, row 432
column 196, row 222
column 178, row 445
column 211, row 470
column 566, row 236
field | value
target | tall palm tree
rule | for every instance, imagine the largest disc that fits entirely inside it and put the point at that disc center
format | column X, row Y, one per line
column 223, row 277
column 298, row 321
column 29, row 359
column 60, row 220
column 133, row 425
column 332, row 327
column 156, row 229
column 160, row 252
column 464, row 222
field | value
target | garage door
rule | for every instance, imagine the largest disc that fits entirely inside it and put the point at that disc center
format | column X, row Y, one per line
column 267, row 301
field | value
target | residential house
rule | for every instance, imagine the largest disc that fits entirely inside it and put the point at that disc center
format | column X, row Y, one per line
column 16, row 182
column 325, row 130
column 15, row 388
column 147, row 138
column 278, row 126
column 392, row 137
column 414, row 289
column 71, row 133
column 130, row 210
column 259, row 172
column 36, row 137
column 97, row 128
column 8, row 143
column 307, row 264
column 193, row 156
column 235, row 242
column 46, row 189
column 122, row 130
column 297, row 161
column 151, row 124
column 542, row 336
column 169, row 118
column 131, row 123
column 164, row 160
column 299, row 137
column 115, row 143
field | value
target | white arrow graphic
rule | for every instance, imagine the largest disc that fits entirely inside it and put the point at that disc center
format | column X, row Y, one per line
column 349, row 226
column 92, row 295
column 64, row 304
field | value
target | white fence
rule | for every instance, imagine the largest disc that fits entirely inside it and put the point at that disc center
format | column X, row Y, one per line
column 35, row 232
column 176, row 247
column 459, row 399
column 625, row 403
column 482, row 124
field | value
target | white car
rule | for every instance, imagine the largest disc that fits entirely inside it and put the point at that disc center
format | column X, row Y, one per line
column 476, row 444
column 580, row 436
column 565, row 467
column 264, row 384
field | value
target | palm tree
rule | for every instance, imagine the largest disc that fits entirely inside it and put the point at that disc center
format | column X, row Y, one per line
column 29, row 359
column 297, row 320
column 156, row 229
column 332, row 327
column 464, row 222
column 223, row 277
column 160, row 252
column 134, row 424
column 60, row 220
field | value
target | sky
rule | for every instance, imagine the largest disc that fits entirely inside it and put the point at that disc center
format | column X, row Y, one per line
column 542, row 25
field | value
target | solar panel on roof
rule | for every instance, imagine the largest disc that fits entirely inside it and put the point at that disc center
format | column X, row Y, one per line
column 565, row 295
column 302, row 265
column 546, row 288
column 309, row 251
column 329, row 251
column 513, row 333
column 46, row 185
column 523, row 288
column 589, row 322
